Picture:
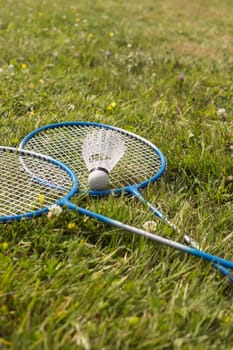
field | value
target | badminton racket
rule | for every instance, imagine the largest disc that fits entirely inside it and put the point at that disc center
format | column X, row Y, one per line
column 140, row 164
column 26, row 195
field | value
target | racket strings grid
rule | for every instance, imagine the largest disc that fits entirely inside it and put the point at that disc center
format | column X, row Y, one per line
column 22, row 191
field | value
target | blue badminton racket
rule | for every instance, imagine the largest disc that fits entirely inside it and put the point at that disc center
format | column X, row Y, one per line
column 104, row 156
column 28, row 195
column 85, row 146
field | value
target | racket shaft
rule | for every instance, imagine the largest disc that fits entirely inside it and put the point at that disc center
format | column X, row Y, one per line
column 189, row 250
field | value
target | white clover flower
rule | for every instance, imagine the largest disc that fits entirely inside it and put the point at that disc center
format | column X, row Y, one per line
column 221, row 112
column 190, row 135
column 71, row 107
column 54, row 210
column 150, row 225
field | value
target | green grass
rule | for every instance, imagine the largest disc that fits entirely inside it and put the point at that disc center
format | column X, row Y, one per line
column 168, row 67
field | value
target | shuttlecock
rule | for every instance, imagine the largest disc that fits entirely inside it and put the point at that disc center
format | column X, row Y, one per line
column 101, row 150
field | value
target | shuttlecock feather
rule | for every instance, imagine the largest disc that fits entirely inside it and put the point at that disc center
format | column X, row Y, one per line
column 101, row 150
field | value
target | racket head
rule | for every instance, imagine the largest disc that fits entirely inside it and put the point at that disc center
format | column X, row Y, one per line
column 26, row 194
column 141, row 164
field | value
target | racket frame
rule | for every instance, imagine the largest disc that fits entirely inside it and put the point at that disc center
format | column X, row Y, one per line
column 117, row 191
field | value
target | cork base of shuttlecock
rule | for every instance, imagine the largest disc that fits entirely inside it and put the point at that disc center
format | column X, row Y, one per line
column 98, row 179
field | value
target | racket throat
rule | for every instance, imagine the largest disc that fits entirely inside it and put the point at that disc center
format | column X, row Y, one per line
column 136, row 193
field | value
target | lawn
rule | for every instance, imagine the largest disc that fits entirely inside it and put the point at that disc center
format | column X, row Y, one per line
column 161, row 69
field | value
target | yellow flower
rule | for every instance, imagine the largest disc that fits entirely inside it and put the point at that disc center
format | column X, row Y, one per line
column 111, row 106
column 71, row 225
column 111, row 34
column 227, row 319
column 41, row 198
column 24, row 66
column 4, row 308
column 5, row 342
column 32, row 113
column 133, row 320
column 4, row 245
column 90, row 36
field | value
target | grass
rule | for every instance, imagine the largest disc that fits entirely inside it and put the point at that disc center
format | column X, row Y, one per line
column 71, row 282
